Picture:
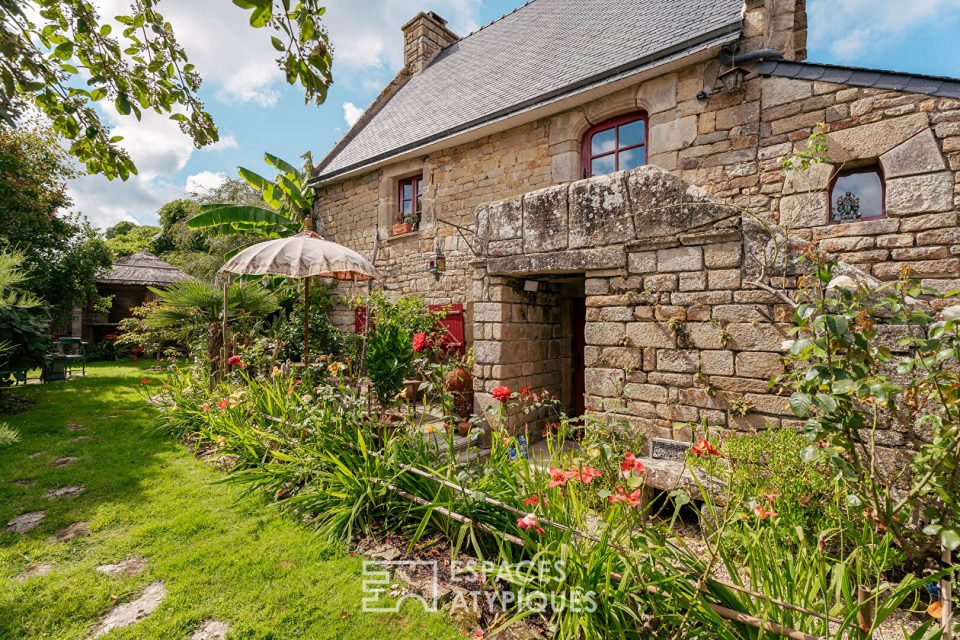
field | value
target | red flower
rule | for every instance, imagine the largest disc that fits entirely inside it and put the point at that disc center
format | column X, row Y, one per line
column 632, row 500
column 419, row 342
column 535, row 500
column 530, row 521
column 501, row 393
column 144, row 380
column 763, row 513
column 223, row 404
column 557, row 477
column 235, row 360
column 297, row 382
column 703, row 448
column 630, row 464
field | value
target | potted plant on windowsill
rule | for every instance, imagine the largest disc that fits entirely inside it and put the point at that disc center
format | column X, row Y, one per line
column 405, row 226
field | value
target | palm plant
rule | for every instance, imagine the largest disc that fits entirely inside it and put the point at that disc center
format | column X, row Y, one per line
column 194, row 309
column 289, row 206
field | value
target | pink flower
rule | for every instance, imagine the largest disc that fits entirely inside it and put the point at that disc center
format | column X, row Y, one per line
column 205, row 406
column 501, row 393
column 763, row 513
column 630, row 464
column 557, row 477
column 530, row 521
column 632, row 499
column 535, row 500
column 419, row 342
column 586, row 474
column 223, row 404
column 234, row 361
column 703, row 448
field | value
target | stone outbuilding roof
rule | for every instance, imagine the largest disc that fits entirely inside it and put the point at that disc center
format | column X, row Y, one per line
column 142, row 268
column 543, row 51
column 859, row 77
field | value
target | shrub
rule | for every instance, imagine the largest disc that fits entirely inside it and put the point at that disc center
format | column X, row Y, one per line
column 390, row 355
column 25, row 331
column 8, row 435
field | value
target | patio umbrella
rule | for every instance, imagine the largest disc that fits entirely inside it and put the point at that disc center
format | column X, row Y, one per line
column 301, row 256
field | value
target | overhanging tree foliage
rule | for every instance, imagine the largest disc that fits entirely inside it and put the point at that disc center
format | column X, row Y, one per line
column 63, row 58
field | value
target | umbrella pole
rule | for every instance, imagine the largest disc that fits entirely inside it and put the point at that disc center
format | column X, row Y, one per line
column 223, row 353
column 306, row 321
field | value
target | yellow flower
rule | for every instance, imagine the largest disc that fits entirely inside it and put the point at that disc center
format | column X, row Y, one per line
column 335, row 367
column 276, row 372
column 306, row 398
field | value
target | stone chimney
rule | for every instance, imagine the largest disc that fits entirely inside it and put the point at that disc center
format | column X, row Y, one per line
column 423, row 38
column 776, row 24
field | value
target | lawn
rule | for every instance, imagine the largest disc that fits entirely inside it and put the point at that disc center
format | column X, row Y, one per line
column 220, row 555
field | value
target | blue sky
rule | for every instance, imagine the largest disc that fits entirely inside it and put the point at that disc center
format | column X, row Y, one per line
column 256, row 111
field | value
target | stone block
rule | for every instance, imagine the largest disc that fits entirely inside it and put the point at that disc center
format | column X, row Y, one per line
column 680, row 259
column 645, row 392
column 724, row 278
column 660, row 282
column 600, row 212
column 672, row 135
column 874, row 139
column 716, row 363
column 504, row 219
column 607, row 383
column 739, row 313
column 649, row 334
column 664, row 206
column 748, row 336
column 783, row 90
column 658, row 94
column 759, row 364
column 927, row 193
column 485, row 352
column 705, row 335
column 804, row 210
column 545, row 220
column 919, row 154
column 642, row 262
column 604, row 333
column 722, row 255
column 613, row 257
column 676, row 360
column 693, row 281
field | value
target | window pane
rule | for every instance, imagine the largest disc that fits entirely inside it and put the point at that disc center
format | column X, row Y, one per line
column 419, row 187
column 866, row 197
column 405, row 206
column 407, row 190
column 632, row 133
column 603, row 142
column 600, row 166
column 632, row 158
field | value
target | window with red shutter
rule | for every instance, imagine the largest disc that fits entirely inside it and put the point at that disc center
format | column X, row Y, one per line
column 452, row 322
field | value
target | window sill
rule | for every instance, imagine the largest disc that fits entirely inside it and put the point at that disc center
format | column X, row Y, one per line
column 402, row 236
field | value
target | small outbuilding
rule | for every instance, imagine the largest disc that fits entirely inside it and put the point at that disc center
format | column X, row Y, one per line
column 128, row 283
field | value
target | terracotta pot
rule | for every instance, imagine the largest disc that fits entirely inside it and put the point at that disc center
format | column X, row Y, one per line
column 459, row 383
column 401, row 228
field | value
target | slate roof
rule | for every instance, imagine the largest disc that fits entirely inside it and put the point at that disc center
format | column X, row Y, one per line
column 543, row 50
column 859, row 77
column 142, row 268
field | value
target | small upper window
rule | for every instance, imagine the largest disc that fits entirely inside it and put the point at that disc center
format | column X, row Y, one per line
column 618, row 144
column 409, row 202
column 857, row 194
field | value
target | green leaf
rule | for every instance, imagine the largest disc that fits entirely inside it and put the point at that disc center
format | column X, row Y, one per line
column 950, row 538
column 800, row 404
column 825, row 403
column 280, row 164
column 243, row 214
column 277, row 43
column 853, row 501
column 838, row 325
column 844, row 386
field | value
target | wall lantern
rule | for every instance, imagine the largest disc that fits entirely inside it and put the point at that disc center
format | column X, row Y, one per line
column 437, row 262
column 732, row 79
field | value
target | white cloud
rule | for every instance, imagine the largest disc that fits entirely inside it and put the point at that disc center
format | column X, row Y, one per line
column 351, row 113
column 225, row 142
column 205, row 181
column 851, row 28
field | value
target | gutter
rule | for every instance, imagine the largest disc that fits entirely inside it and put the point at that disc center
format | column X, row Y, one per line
column 730, row 29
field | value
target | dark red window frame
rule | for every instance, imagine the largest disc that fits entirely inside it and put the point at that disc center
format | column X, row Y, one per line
column 416, row 184
column 873, row 168
column 586, row 151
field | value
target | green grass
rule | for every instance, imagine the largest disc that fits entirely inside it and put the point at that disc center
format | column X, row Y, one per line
column 221, row 556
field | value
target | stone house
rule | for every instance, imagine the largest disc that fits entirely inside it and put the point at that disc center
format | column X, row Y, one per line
column 599, row 175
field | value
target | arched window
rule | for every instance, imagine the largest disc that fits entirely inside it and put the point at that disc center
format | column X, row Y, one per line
column 615, row 145
column 858, row 194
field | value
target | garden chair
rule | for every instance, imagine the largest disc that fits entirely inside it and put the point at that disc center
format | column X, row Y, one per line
column 74, row 353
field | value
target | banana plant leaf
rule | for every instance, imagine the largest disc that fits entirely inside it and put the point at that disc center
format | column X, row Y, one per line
column 246, row 215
